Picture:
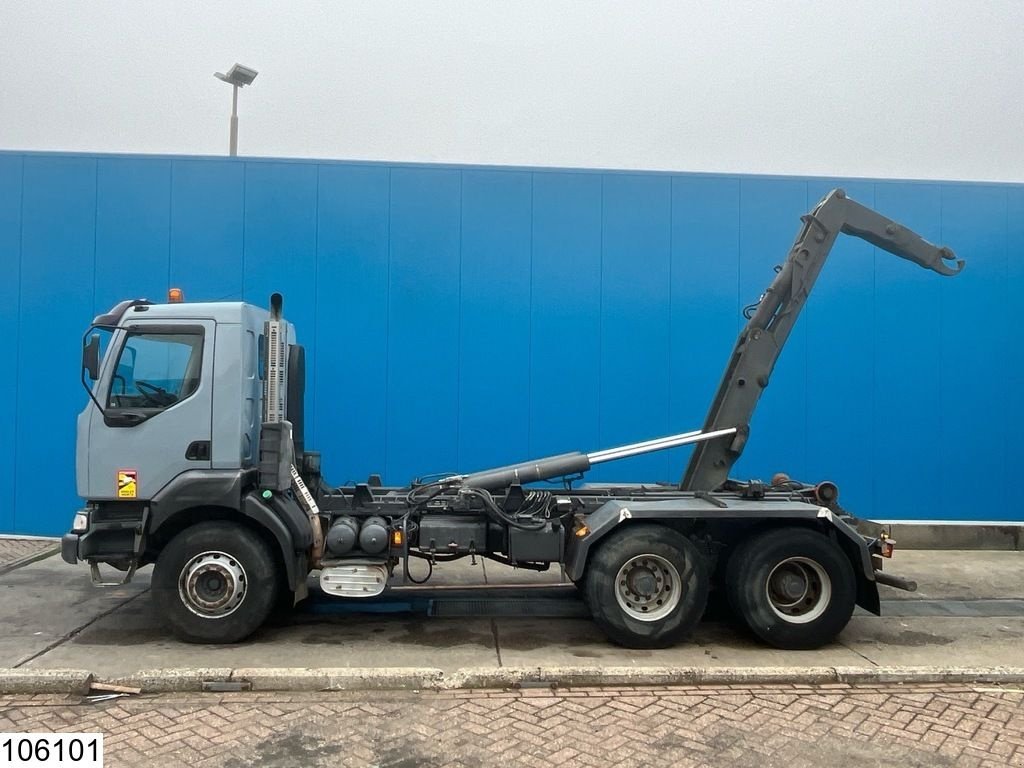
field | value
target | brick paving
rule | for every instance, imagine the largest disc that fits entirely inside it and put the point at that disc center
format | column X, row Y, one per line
column 16, row 551
column 783, row 725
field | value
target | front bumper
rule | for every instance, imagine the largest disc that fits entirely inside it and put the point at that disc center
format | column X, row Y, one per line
column 99, row 546
column 69, row 547
column 105, row 540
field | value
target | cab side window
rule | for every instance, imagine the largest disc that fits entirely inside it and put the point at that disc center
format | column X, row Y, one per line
column 156, row 370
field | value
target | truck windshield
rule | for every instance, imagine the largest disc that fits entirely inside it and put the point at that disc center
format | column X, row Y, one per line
column 156, row 370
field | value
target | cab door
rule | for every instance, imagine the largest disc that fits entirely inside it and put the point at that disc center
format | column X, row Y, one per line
column 157, row 409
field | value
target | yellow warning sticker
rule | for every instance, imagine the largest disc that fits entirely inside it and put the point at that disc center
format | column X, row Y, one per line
column 127, row 483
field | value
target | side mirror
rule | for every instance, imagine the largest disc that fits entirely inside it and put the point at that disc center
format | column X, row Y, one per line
column 91, row 357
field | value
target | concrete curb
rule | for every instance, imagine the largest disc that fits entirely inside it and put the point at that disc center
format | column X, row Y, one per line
column 31, row 681
column 267, row 679
column 339, row 679
column 509, row 677
column 172, row 680
column 998, row 536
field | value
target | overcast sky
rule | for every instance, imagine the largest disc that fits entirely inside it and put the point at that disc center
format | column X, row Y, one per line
column 887, row 88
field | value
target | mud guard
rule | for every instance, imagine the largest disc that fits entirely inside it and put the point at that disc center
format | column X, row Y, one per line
column 289, row 525
column 703, row 508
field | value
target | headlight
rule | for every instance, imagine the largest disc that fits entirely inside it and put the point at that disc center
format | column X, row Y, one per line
column 81, row 523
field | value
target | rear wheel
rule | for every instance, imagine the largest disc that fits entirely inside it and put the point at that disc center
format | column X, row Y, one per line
column 646, row 586
column 793, row 587
column 215, row 582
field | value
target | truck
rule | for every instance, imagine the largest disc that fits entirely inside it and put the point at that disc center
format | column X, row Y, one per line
column 191, row 456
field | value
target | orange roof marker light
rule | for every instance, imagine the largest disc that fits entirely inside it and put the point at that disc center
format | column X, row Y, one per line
column 175, row 296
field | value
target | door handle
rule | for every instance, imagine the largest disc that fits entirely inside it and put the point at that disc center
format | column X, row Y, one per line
column 198, row 450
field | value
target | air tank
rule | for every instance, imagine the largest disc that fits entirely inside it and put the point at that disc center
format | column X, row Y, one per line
column 373, row 538
column 341, row 537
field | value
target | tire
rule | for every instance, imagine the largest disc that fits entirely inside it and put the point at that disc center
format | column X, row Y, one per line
column 794, row 588
column 215, row 582
column 283, row 612
column 282, row 609
column 631, row 571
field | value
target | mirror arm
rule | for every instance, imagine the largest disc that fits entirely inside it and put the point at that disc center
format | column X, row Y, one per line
column 92, row 397
column 88, row 387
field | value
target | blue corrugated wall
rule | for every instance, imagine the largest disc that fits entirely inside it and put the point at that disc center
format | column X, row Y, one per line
column 463, row 317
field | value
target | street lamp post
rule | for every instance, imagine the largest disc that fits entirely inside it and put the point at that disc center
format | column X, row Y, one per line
column 237, row 77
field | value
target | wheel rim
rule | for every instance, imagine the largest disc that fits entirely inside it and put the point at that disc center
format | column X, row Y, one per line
column 212, row 585
column 798, row 590
column 648, row 587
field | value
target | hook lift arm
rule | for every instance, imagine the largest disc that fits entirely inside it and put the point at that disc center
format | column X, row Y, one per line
column 761, row 341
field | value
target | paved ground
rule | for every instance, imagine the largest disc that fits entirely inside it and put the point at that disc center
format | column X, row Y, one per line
column 757, row 727
column 14, row 552
column 969, row 612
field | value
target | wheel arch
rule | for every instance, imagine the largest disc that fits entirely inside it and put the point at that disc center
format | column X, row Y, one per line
column 697, row 518
column 257, row 517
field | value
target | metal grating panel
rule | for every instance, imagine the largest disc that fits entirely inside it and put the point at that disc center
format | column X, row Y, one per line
column 274, row 382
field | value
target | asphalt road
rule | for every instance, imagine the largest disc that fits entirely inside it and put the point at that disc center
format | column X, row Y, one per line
column 919, row 726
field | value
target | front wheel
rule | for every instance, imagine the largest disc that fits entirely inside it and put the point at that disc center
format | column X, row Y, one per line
column 646, row 586
column 215, row 582
column 793, row 587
